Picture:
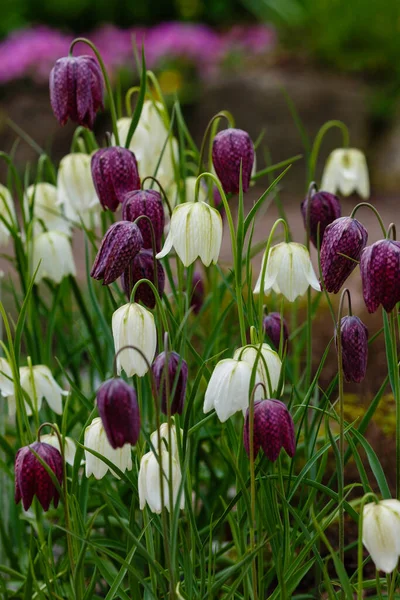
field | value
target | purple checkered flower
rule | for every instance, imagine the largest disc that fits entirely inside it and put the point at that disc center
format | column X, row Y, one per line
column 354, row 336
column 148, row 203
column 273, row 429
column 273, row 325
column 380, row 274
column 32, row 479
column 114, row 173
column 119, row 412
column 142, row 267
column 177, row 379
column 324, row 209
column 230, row 148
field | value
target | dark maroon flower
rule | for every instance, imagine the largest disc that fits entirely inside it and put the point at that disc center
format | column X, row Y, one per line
column 197, row 299
column 177, row 380
column 142, row 267
column 343, row 242
column 120, row 245
column 354, row 337
column 32, row 479
column 273, row 326
column 114, row 173
column 273, row 429
column 119, row 412
column 149, row 203
column 230, row 148
column 324, row 209
column 380, row 274
column 76, row 89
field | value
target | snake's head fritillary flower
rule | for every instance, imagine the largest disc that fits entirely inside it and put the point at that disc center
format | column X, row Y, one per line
column 381, row 533
column 119, row 411
column 174, row 374
column 145, row 203
column 52, row 249
column 346, row 171
column 69, row 446
column 115, row 173
column 323, row 209
column 267, row 361
column 143, row 267
column 274, row 327
column 76, row 89
column 133, row 325
column 76, row 191
column 38, row 383
column 96, row 439
column 354, row 336
column 230, row 148
column 288, row 272
column 273, row 429
column 149, row 482
column 40, row 202
column 343, row 242
column 168, row 436
column 195, row 231
column 120, row 245
column 32, row 479
column 380, row 274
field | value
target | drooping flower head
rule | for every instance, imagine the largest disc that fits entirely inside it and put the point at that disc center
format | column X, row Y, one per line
column 176, row 371
column 380, row 274
column 32, row 479
column 346, row 171
column 119, row 412
column 148, row 203
column 230, row 148
column 267, row 361
column 274, row 327
column 52, row 249
column 273, row 429
column 96, row 439
column 115, row 173
column 75, row 189
column 143, row 267
column 149, row 482
column 323, row 209
column 47, row 213
column 343, row 242
column 354, row 336
column 381, row 533
column 76, row 90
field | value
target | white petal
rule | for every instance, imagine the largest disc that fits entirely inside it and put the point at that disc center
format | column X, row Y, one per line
column 381, row 531
column 168, row 244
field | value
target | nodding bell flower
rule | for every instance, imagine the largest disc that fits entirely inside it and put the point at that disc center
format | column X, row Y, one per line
column 228, row 390
column 195, row 231
column 41, row 200
column 96, row 439
column 32, row 479
column 145, row 203
column 274, row 326
column 289, row 271
column 7, row 210
column 76, row 89
column 119, row 247
column 269, row 365
column 354, row 336
column 273, row 429
column 346, row 171
column 380, row 275
column 76, row 191
column 381, row 533
column 54, row 252
column 230, row 148
column 143, row 267
column 119, row 412
column 165, row 433
column 175, row 374
column 38, row 383
column 149, row 482
column 343, row 242
column 115, row 173
column 323, row 209
column 133, row 325
column 69, row 446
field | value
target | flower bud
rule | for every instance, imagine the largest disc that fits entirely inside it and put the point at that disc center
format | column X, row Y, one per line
column 324, row 209
column 32, row 479
column 120, row 245
column 354, row 337
column 115, row 173
column 381, row 533
column 380, row 274
column 119, row 412
column 273, row 326
column 176, row 376
column 148, row 203
column 142, row 267
column 273, row 429
column 230, row 148
column 343, row 242
column 76, row 89
column 96, row 439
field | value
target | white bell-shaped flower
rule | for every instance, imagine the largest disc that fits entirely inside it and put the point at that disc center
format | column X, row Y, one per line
column 346, row 171
column 228, row 390
column 269, row 365
column 75, row 189
column 133, row 325
column 8, row 213
column 46, row 209
column 289, row 271
column 195, row 231
column 38, row 383
column 164, row 439
column 54, row 252
column 96, row 439
column 381, row 533
column 149, row 482
column 69, row 446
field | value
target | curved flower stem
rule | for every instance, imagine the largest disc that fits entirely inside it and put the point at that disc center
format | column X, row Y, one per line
column 167, row 202
column 223, row 114
column 106, row 81
column 318, row 141
column 360, row 592
column 368, row 205
column 391, row 231
column 252, row 491
column 312, row 189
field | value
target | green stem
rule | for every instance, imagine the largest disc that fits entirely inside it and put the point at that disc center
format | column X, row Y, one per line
column 396, row 393
column 360, row 591
column 223, row 114
column 318, row 140
column 252, row 493
column 368, row 205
